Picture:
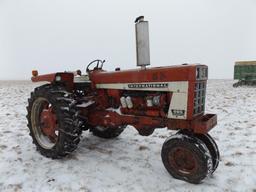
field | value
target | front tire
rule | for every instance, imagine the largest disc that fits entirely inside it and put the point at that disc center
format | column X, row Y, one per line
column 186, row 158
column 53, row 121
column 213, row 148
column 210, row 144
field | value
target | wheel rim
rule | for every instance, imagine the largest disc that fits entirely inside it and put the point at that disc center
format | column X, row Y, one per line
column 183, row 160
column 44, row 123
column 210, row 144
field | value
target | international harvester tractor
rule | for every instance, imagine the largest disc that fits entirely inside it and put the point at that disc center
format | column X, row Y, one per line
column 105, row 103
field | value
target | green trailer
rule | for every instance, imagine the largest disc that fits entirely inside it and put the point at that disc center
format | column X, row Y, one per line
column 245, row 73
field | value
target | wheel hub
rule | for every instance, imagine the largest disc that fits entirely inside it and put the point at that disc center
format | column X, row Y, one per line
column 183, row 160
column 48, row 123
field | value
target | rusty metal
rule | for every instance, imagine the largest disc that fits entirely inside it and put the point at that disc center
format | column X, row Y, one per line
column 155, row 74
column 183, row 160
column 49, row 123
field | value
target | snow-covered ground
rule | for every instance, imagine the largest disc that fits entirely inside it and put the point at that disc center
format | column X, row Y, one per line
column 130, row 162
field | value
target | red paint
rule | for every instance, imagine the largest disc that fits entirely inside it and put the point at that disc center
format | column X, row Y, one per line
column 66, row 78
column 183, row 160
column 48, row 122
column 47, row 77
column 156, row 74
column 143, row 117
column 204, row 123
column 200, row 124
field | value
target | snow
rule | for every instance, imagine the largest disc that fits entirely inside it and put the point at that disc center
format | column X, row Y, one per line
column 130, row 162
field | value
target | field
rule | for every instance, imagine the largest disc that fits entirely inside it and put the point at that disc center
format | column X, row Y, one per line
column 130, row 162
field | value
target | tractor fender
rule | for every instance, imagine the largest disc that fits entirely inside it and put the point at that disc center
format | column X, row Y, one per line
column 66, row 78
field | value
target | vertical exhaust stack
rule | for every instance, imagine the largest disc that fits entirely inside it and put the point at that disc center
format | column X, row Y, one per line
column 142, row 42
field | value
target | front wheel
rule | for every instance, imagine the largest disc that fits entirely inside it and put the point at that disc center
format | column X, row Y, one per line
column 186, row 158
column 213, row 148
column 210, row 144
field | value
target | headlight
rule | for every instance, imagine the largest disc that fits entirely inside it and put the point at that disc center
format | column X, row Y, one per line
column 58, row 78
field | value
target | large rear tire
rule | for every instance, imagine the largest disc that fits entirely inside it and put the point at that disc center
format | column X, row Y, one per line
column 53, row 121
column 186, row 158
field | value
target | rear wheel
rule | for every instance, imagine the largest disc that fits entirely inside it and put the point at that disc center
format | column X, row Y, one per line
column 186, row 158
column 53, row 121
column 106, row 132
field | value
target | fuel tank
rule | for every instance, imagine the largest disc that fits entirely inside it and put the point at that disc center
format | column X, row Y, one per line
column 155, row 74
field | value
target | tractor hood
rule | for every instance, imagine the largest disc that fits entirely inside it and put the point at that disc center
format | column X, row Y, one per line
column 156, row 74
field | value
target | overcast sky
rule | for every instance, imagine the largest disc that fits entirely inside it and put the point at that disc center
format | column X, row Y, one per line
column 58, row 35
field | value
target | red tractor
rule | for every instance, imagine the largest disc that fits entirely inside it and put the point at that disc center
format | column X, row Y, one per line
column 146, row 98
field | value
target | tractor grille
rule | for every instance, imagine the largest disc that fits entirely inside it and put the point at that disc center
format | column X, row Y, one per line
column 199, row 98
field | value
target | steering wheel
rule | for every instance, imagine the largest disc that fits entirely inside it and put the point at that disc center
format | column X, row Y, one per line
column 99, row 65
